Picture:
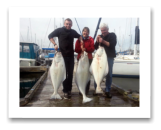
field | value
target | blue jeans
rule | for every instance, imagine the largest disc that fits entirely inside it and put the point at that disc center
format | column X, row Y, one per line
column 108, row 76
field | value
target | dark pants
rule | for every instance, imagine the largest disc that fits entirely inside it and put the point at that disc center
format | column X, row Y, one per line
column 69, row 64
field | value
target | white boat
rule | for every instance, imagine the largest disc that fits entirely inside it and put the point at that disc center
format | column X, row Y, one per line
column 28, row 54
column 128, row 65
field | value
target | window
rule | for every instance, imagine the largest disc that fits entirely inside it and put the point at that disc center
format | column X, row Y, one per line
column 20, row 48
column 36, row 48
column 26, row 48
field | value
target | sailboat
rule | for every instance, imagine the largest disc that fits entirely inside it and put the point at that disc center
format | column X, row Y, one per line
column 128, row 65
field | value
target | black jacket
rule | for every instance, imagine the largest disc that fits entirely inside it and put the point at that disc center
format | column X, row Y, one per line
column 112, row 39
column 66, row 38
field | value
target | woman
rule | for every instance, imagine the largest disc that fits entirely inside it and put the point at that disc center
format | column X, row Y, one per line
column 88, row 47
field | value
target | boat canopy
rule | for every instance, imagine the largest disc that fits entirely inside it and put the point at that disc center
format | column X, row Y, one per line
column 28, row 50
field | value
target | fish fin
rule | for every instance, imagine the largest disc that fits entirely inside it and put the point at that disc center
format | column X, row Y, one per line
column 86, row 99
column 76, row 83
column 55, row 96
column 99, row 89
column 64, row 76
column 106, row 71
column 49, row 75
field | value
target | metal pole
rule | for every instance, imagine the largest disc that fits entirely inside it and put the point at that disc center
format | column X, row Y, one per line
column 41, row 43
column 97, row 28
column 78, row 26
column 54, row 23
column 35, row 37
column 30, row 29
column 27, row 33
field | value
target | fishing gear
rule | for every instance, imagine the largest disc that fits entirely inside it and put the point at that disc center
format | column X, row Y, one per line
column 97, row 28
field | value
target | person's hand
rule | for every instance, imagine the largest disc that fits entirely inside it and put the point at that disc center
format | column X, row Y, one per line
column 98, row 38
column 82, row 43
column 56, row 47
column 83, row 49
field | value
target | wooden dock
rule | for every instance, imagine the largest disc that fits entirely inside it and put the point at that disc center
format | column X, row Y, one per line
column 30, row 94
column 43, row 90
column 33, row 69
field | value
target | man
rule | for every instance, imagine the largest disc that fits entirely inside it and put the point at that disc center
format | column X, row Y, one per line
column 66, row 37
column 108, row 41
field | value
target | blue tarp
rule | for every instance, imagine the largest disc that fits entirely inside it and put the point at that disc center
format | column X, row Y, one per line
column 48, row 48
column 51, row 55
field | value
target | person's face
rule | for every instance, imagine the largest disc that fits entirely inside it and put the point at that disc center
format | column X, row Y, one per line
column 104, row 31
column 85, row 33
column 68, row 24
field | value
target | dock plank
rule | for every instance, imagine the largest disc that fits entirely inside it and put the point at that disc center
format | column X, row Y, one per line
column 42, row 97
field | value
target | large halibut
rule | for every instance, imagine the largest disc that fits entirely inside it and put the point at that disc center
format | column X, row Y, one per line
column 57, row 73
column 99, row 67
column 82, row 75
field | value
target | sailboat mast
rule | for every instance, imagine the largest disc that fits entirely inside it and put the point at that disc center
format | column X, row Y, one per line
column 136, row 37
column 130, row 37
column 35, row 37
column 41, row 43
column 119, row 39
column 63, row 20
column 28, row 34
column 54, row 29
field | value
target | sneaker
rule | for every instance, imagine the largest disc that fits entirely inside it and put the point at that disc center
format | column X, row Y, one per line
column 107, row 94
column 87, row 91
column 95, row 94
column 69, row 94
column 80, row 93
column 66, row 96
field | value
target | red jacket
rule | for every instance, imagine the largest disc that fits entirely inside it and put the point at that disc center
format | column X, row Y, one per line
column 88, row 44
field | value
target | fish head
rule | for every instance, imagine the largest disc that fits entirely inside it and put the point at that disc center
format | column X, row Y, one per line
column 84, row 56
column 58, row 54
column 85, row 53
column 99, row 51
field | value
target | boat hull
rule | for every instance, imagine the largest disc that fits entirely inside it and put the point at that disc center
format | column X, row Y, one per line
column 27, row 62
column 126, row 68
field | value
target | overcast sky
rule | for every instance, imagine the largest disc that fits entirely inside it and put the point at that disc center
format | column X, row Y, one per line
column 38, row 29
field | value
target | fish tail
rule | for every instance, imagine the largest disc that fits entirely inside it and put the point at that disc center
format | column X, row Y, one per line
column 99, row 90
column 55, row 96
column 86, row 99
